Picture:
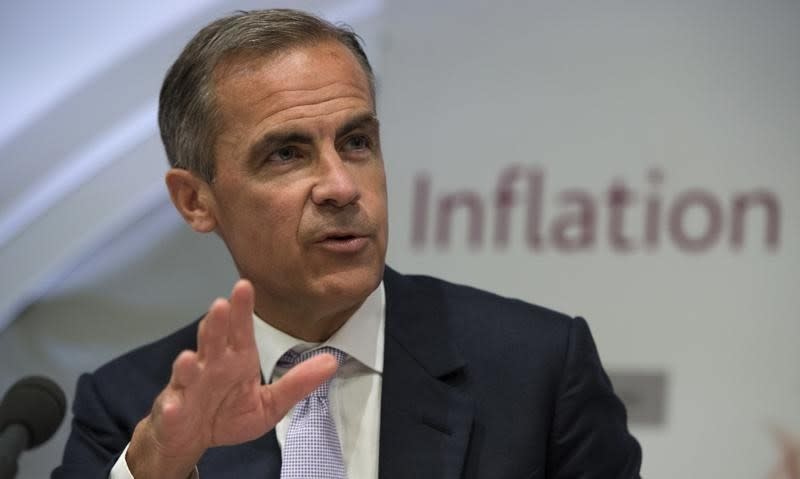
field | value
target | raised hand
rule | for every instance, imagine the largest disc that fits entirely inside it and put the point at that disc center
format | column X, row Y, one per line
column 215, row 396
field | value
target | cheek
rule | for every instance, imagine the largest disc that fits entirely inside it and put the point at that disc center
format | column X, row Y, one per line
column 267, row 225
column 374, row 181
column 278, row 222
column 376, row 201
column 379, row 191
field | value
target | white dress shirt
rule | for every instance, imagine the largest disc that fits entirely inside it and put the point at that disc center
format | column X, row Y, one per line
column 355, row 392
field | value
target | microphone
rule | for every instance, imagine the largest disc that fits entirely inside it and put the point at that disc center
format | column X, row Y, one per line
column 30, row 414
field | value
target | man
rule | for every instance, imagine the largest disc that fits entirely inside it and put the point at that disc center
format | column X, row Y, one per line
column 268, row 119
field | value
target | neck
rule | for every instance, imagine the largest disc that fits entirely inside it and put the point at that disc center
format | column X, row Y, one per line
column 314, row 325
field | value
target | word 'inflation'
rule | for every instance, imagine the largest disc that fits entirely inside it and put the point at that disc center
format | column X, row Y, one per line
column 522, row 210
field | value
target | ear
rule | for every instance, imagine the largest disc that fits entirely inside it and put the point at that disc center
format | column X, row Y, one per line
column 193, row 198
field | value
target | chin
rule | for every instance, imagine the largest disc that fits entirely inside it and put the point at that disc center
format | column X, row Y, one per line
column 352, row 284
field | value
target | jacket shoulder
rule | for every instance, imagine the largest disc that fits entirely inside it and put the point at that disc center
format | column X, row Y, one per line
column 475, row 305
column 150, row 363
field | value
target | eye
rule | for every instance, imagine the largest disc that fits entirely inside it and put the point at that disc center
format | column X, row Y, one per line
column 284, row 154
column 357, row 143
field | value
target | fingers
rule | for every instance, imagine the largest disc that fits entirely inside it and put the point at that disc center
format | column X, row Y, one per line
column 212, row 335
column 185, row 370
column 298, row 383
column 240, row 328
column 228, row 323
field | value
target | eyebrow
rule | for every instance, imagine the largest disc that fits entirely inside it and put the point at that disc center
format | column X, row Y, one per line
column 364, row 120
column 275, row 139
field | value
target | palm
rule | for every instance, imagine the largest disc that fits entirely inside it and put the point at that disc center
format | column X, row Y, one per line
column 224, row 406
column 243, row 415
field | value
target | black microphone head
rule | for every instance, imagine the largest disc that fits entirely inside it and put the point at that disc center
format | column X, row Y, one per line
column 36, row 403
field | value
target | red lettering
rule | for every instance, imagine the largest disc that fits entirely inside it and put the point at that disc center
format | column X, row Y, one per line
column 580, row 222
column 677, row 226
column 769, row 204
column 474, row 207
column 619, row 198
column 419, row 210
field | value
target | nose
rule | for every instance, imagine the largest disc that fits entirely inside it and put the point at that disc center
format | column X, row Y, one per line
column 336, row 185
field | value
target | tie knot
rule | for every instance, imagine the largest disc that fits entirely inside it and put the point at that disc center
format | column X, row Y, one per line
column 292, row 358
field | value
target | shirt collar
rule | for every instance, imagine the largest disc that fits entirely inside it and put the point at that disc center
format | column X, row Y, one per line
column 360, row 337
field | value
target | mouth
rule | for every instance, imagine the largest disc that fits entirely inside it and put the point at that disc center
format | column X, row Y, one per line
column 344, row 243
column 340, row 237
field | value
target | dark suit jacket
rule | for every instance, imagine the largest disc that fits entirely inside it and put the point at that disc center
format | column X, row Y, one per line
column 474, row 386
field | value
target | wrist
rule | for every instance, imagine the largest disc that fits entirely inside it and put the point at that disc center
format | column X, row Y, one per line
column 147, row 457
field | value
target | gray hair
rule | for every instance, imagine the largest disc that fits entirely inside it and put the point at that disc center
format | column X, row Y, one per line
column 187, row 115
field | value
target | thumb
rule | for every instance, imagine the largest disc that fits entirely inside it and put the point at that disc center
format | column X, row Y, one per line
column 298, row 383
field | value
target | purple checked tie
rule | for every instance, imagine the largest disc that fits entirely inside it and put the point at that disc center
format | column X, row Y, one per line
column 311, row 449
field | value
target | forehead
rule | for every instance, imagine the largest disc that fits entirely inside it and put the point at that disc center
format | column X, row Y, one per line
column 250, row 83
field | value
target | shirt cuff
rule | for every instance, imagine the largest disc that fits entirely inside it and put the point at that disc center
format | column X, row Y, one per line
column 121, row 471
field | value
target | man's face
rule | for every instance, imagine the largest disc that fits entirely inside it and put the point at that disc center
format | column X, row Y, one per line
column 299, row 195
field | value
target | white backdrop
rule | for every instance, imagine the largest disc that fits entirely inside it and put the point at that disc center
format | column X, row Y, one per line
column 635, row 163
column 596, row 96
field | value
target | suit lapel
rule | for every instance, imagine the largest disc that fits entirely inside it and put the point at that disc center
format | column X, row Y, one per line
column 425, row 418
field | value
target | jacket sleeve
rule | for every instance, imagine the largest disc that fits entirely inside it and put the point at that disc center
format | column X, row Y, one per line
column 589, row 437
column 97, row 437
